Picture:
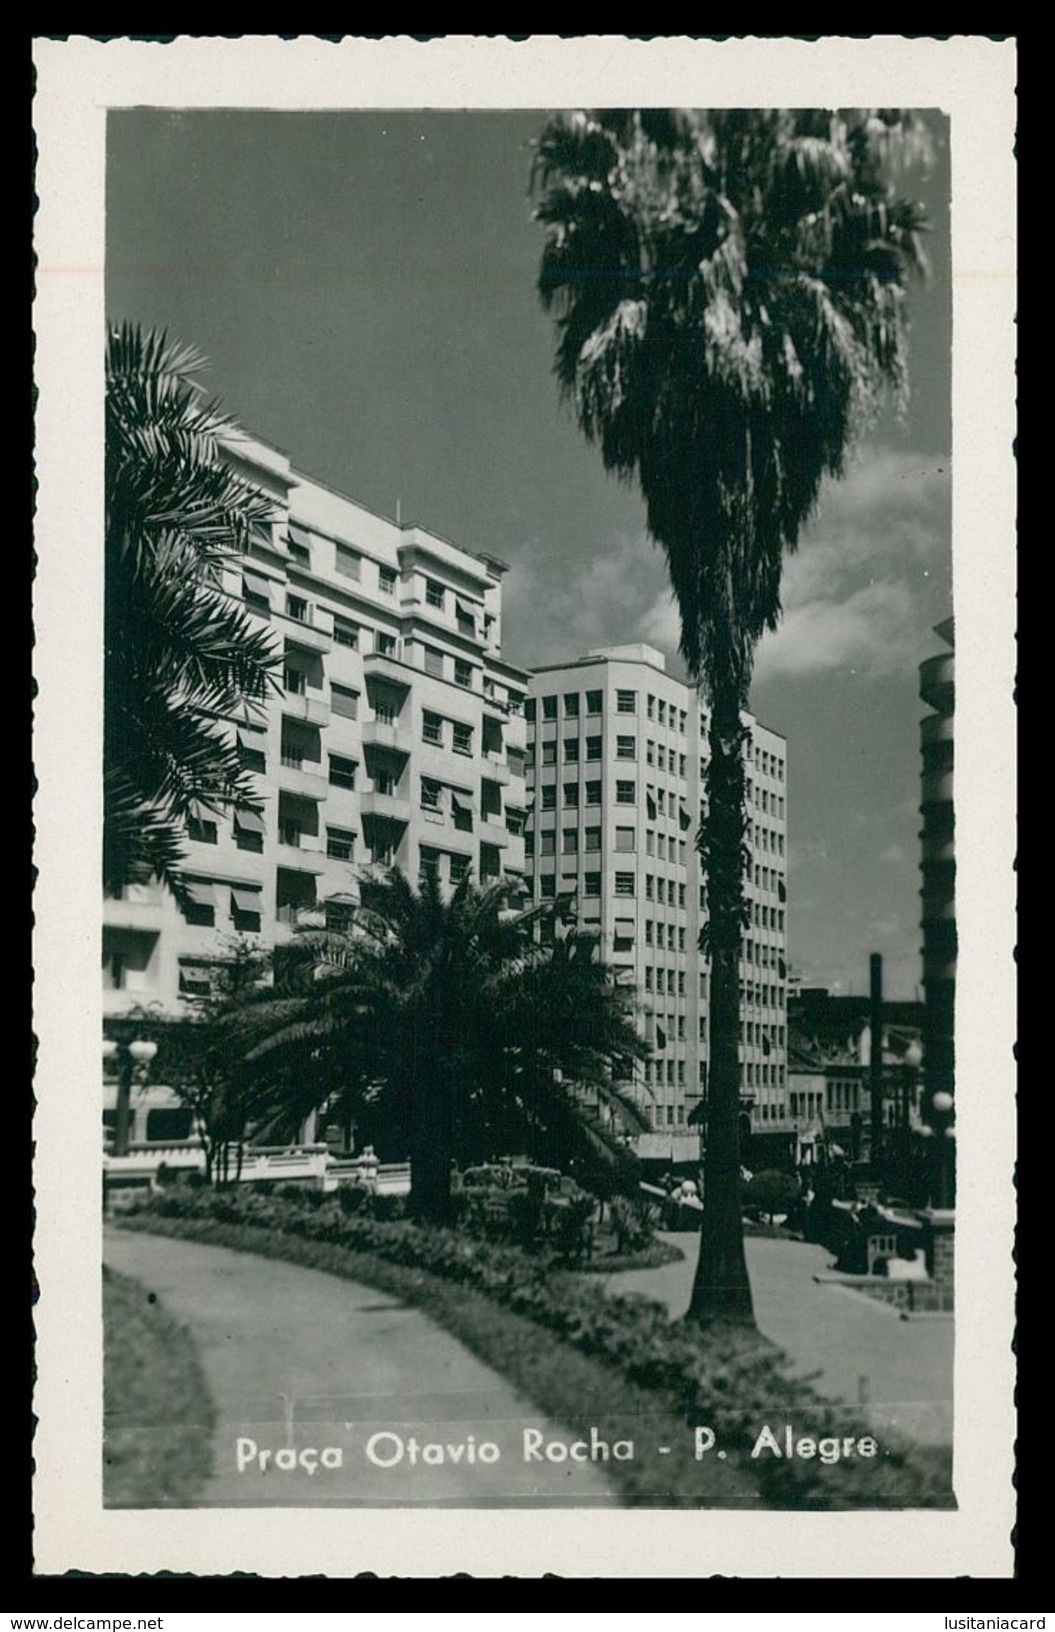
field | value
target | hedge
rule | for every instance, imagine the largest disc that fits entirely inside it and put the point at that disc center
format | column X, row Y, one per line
column 731, row 1379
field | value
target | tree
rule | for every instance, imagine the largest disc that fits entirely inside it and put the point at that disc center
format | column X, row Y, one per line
column 213, row 1080
column 472, row 1039
column 180, row 655
column 729, row 294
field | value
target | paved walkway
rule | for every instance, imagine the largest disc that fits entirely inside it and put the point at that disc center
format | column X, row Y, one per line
column 901, row 1369
column 299, row 1362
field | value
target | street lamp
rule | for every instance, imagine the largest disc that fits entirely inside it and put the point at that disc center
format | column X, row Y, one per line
column 133, row 1057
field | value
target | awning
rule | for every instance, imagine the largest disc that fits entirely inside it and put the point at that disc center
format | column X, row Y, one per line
column 661, row 1037
column 462, row 804
column 650, row 807
column 201, row 893
column 249, row 821
column 684, row 818
column 464, row 610
column 245, row 900
column 255, row 585
column 298, row 536
column 251, row 736
column 624, row 928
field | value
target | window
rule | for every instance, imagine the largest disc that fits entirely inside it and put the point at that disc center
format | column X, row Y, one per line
column 591, row 884
column 681, row 895
column 344, row 701
column 650, row 752
column 593, row 747
column 529, row 709
column 649, row 930
column 297, row 608
column 434, row 593
column 386, row 580
column 624, row 883
column 593, row 702
column 648, row 980
column 549, row 753
column 342, row 772
column 661, row 757
column 463, row 672
column 295, row 681
column 463, row 738
column 662, row 712
column 626, row 793
column 571, row 794
column 549, row 708
column 434, row 662
column 529, row 845
column 547, row 843
column 571, row 750
column 257, row 592
column 251, row 755
column 570, row 841
column 430, row 794
column 593, row 793
column 592, row 838
column 200, row 909
column 340, row 844
column 428, row 863
column 650, row 707
column 345, row 633
column 626, row 702
column 548, row 886
column 432, row 728
column 625, row 748
column 248, row 830
column 624, row 838
column 201, row 830
column 650, row 887
column 245, row 910
column 466, row 623
column 549, row 797
column 386, row 644
column 571, row 705
column 681, row 983
column 459, row 867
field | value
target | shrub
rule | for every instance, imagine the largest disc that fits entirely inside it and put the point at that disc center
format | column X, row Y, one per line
column 771, row 1192
column 729, row 1378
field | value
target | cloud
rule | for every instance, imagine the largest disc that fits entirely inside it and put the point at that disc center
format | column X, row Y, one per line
column 558, row 609
column 869, row 579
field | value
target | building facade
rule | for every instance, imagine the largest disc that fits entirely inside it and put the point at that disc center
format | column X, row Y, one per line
column 396, row 737
column 938, row 864
column 617, row 748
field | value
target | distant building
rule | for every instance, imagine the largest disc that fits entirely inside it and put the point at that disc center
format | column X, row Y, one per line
column 616, row 753
column 938, row 866
column 397, row 737
column 829, row 1063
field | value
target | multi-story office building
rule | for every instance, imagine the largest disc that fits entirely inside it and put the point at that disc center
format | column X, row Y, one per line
column 397, row 736
column 616, row 752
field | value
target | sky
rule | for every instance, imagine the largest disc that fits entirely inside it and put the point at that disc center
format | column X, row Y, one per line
column 363, row 285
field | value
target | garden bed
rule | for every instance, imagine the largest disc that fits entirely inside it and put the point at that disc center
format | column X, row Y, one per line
column 729, row 1379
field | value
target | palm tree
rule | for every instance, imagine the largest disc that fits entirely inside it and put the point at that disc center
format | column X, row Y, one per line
column 472, row 1039
column 180, row 654
column 729, row 292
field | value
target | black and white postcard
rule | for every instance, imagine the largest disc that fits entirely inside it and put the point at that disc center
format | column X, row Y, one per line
column 525, row 621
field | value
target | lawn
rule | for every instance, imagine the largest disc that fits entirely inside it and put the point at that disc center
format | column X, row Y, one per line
column 157, row 1414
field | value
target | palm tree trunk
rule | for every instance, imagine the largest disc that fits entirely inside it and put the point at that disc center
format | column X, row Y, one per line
column 721, row 1290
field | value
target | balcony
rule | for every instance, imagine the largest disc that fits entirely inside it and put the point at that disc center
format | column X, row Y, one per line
column 495, row 767
column 387, row 807
column 936, row 681
column 303, row 634
column 394, row 735
column 386, row 666
column 121, row 914
column 936, row 787
column 936, row 728
column 306, row 844
column 309, row 710
column 294, row 777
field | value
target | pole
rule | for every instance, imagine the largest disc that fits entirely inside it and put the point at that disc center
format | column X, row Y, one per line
column 123, row 1110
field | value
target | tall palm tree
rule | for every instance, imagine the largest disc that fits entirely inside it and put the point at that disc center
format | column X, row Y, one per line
column 180, row 654
column 473, row 1038
column 729, row 291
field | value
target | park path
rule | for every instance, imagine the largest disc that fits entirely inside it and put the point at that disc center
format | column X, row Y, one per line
column 299, row 1361
column 901, row 1370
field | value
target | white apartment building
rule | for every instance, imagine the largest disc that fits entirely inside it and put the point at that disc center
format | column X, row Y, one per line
column 616, row 753
column 397, row 737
